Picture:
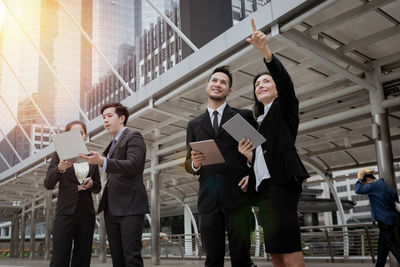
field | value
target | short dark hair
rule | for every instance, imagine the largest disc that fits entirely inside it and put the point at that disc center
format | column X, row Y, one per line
column 368, row 176
column 224, row 69
column 119, row 109
column 69, row 125
column 258, row 107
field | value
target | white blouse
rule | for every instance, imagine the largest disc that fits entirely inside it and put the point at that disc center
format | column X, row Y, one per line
column 81, row 170
column 260, row 167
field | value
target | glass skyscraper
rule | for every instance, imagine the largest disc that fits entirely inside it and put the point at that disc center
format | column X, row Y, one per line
column 113, row 33
column 61, row 43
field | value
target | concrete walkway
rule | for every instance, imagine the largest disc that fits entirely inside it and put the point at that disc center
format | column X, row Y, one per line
column 170, row 263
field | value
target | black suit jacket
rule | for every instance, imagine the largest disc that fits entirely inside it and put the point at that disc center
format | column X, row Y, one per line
column 68, row 195
column 280, row 128
column 125, row 193
column 219, row 182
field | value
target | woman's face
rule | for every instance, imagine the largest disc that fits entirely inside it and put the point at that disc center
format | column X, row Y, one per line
column 265, row 89
column 79, row 127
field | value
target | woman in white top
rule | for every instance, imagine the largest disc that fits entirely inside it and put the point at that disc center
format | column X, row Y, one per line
column 75, row 215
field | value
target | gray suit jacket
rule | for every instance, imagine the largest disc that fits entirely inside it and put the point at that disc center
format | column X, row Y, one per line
column 125, row 193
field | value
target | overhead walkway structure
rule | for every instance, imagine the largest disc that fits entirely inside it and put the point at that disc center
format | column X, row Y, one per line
column 344, row 59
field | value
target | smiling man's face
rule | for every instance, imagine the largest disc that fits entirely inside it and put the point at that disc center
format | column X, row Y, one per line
column 218, row 87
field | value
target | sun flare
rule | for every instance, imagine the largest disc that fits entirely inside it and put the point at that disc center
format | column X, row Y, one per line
column 2, row 13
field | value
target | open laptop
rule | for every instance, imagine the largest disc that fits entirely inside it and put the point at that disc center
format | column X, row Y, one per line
column 69, row 145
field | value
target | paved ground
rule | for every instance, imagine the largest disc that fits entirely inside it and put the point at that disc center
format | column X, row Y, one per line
column 170, row 263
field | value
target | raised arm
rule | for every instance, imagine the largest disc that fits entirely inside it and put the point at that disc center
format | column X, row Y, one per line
column 282, row 79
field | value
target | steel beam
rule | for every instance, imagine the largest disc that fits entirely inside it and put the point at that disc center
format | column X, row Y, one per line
column 370, row 39
column 319, row 52
column 395, row 57
column 5, row 161
column 328, row 97
column 347, row 16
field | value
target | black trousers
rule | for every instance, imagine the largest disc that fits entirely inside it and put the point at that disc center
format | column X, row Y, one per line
column 125, row 237
column 77, row 228
column 387, row 242
column 236, row 222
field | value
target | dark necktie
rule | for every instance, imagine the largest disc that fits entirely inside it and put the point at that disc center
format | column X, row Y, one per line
column 113, row 144
column 215, row 122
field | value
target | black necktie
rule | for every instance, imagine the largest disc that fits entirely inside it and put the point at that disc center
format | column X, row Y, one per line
column 113, row 144
column 215, row 122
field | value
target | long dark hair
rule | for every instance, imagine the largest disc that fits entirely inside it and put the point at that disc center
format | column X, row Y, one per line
column 69, row 125
column 258, row 107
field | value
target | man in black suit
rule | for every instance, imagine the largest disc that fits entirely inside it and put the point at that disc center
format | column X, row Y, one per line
column 223, row 201
column 124, row 199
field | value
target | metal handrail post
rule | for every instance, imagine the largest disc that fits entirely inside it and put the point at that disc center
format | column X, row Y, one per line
column 329, row 245
column 370, row 244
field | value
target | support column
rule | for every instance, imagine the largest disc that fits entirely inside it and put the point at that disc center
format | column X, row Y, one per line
column 49, row 219
column 12, row 240
column 381, row 131
column 102, row 226
column 381, row 135
column 155, row 208
column 257, row 234
column 188, row 233
column 14, row 237
column 33, row 231
column 22, row 233
column 102, row 240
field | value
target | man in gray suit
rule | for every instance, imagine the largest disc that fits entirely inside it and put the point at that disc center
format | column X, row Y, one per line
column 124, row 199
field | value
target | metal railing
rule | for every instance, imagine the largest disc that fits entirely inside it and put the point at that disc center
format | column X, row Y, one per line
column 324, row 242
column 318, row 242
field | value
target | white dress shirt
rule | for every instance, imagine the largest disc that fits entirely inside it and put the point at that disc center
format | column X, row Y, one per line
column 104, row 167
column 220, row 111
column 260, row 167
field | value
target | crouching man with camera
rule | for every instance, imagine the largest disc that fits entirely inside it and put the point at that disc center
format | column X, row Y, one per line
column 382, row 198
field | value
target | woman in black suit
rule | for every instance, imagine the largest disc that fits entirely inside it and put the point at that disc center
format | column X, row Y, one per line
column 278, row 170
column 75, row 215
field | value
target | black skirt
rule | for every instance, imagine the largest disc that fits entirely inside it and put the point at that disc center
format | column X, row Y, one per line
column 278, row 217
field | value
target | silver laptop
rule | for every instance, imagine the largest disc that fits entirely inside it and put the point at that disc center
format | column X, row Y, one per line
column 69, row 145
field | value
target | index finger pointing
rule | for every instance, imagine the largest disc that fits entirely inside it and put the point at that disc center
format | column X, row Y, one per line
column 253, row 25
